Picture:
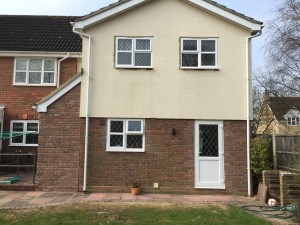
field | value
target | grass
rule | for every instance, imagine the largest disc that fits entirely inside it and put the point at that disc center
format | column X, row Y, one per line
column 130, row 213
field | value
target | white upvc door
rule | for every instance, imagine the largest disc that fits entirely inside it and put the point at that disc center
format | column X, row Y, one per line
column 209, row 155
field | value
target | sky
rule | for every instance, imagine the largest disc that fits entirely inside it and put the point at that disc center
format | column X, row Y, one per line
column 262, row 10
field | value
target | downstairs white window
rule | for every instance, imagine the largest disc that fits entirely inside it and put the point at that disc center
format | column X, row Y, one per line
column 24, row 133
column 125, row 135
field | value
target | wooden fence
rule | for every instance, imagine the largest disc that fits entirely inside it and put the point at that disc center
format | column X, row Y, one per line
column 286, row 152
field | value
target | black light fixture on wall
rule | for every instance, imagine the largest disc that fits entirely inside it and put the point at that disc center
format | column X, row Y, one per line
column 174, row 132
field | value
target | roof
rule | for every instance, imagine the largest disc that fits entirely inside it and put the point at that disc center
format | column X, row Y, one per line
column 201, row 3
column 43, row 104
column 280, row 106
column 38, row 33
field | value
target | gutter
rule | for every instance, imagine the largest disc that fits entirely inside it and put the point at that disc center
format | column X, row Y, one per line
column 58, row 72
column 87, row 107
column 250, row 192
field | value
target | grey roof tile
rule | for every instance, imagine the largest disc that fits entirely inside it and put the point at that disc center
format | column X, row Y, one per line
column 38, row 33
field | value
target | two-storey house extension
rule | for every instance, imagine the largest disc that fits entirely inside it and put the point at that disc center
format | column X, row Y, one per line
column 163, row 101
column 37, row 55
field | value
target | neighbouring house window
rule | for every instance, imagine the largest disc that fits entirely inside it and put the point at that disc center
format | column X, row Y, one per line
column 199, row 53
column 24, row 133
column 35, row 72
column 293, row 121
column 125, row 135
column 133, row 52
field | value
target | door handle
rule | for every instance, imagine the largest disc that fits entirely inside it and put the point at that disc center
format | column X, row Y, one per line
column 200, row 151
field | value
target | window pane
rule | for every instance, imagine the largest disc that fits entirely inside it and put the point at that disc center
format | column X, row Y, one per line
column 134, row 125
column 125, row 44
column 116, row 126
column 18, row 139
column 35, row 64
column 297, row 120
column 21, row 64
column 208, row 45
column 190, row 45
column 134, row 141
column 116, row 141
column 20, row 77
column 208, row 60
column 31, row 138
column 124, row 58
column 190, row 60
column 289, row 121
column 142, row 44
column 49, row 77
column 142, row 59
column 32, row 127
column 18, row 127
column 49, row 65
column 34, row 78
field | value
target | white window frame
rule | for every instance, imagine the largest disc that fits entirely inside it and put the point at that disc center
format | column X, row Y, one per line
column 291, row 120
column 25, row 122
column 27, row 73
column 133, row 51
column 125, row 133
column 199, row 53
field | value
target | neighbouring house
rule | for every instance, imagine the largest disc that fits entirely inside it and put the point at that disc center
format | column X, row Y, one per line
column 279, row 115
column 163, row 100
column 37, row 54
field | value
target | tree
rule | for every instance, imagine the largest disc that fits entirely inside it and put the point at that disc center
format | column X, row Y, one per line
column 282, row 77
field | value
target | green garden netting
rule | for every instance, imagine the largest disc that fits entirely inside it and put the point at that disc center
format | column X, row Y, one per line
column 7, row 135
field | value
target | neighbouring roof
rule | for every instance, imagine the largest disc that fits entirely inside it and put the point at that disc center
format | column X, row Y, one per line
column 280, row 106
column 121, row 2
column 38, row 33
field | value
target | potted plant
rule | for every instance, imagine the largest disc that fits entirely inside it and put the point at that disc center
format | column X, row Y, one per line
column 135, row 188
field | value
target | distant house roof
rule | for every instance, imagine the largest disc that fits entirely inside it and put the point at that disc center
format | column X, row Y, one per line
column 38, row 33
column 196, row 2
column 280, row 106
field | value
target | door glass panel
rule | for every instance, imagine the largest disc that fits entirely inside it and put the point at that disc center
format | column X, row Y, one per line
column 208, row 141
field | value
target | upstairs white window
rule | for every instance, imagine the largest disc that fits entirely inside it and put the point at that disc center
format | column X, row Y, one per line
column 24, row 133
column 35, row 72
column 133, row 52
column 125, row 135
column 199, row 53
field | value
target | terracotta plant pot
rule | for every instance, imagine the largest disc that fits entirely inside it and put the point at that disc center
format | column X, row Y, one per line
column 135, row 191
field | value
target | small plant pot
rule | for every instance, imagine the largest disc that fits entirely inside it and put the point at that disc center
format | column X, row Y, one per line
column 135, row 191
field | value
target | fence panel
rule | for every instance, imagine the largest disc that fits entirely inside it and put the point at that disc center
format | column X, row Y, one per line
column 288, row 152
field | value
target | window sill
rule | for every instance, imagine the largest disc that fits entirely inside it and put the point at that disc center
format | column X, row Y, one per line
column 34, row 85
column 193, row 68
column 22, row 145
column 126, row 150
column 134, row 68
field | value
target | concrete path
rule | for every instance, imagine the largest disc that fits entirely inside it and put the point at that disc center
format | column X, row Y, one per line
column 24, row 200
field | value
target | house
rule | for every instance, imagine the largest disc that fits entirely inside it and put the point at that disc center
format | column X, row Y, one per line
column 37, row 55
column 279, row 115
column 163, row 100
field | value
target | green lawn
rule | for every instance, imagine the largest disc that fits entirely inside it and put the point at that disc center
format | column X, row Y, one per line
column 130, row 213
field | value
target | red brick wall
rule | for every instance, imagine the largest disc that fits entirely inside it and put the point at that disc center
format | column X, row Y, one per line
column 19, row 99
column 168, row 159
column 59, row 143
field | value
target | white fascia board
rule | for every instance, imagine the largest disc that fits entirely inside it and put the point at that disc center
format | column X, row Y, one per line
column 42, row 107
column 230, row 16
column 39, row 54
column 106, row 14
